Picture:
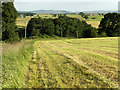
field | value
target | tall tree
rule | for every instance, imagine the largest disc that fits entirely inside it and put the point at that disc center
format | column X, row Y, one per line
column 110, row 24
column 9, row 15
column 57, row 30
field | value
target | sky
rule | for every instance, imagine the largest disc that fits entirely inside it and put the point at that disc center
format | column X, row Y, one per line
column 67, row 0
column 69, row 5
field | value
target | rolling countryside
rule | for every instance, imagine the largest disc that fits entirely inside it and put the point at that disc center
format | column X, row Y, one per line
column 59, row 50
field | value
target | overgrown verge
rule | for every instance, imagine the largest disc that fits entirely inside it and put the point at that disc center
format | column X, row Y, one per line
column 15, row 59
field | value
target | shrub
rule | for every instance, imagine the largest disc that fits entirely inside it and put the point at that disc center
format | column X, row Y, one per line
column 103, row 34
column 93, row 18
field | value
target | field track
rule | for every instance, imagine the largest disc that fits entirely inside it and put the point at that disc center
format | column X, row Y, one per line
column 74, row 63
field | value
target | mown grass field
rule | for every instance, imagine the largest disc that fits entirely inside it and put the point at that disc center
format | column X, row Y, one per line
column 66, row 63
column 94, row 22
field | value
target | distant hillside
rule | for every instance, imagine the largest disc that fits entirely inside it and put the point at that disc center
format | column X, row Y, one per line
column 64, row 11
column 50, row 11
column 101, row 11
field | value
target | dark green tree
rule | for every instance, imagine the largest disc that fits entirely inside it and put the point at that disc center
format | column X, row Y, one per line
column 110, row 25
column 83, row 15
column 57, row 30
column 9, row 15
column 39, row 27
column 63, row 26
column 48, row 27
column 54, row 15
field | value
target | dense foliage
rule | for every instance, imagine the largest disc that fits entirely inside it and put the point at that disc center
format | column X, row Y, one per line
column 9, row 15
column 110, row 25
column 63, row 26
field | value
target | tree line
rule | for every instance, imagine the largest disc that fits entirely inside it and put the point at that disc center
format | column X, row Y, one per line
column 63, row 26
column 23, row 14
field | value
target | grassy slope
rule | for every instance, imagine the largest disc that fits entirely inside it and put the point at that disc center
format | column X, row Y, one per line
column 63, row 63
column 15, row 59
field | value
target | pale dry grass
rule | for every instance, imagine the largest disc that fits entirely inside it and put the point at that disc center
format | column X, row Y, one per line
column 94, row 23
column 22, row 21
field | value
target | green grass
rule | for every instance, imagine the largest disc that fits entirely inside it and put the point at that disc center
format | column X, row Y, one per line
column 97, row 18
column 65, row 63
column 76, row 16
column 15, row 59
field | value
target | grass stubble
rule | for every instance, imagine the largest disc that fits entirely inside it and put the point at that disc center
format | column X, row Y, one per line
column 66, row 63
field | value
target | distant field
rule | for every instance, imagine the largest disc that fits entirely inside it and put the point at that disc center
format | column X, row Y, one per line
column 94, row 22
column 46, row 16
column 22, row 21
column 76, row 16
column 95, row 18
column 67, row 63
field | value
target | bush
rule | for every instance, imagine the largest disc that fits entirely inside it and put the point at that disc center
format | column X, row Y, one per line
column 56, row 37
column 54, row 15
column 45, row 36
column 93, row 18
column 34, row 37
column 103, row 34
column 94, row 33
column 86, row 17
